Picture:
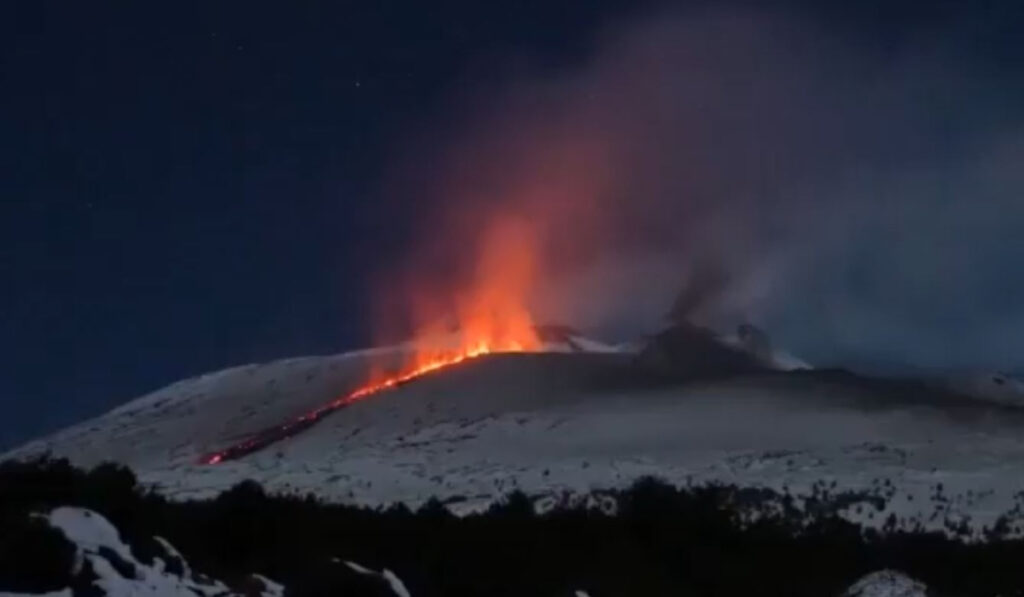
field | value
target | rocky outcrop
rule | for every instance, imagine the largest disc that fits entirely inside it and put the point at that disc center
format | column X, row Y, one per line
column 688, row 352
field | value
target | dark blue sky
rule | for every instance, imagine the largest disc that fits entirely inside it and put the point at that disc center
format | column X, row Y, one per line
column 186, row 186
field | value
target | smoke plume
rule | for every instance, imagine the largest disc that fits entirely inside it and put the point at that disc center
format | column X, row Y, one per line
column 863, row 201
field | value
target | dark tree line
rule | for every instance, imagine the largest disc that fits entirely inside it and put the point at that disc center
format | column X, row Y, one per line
column 661, row 541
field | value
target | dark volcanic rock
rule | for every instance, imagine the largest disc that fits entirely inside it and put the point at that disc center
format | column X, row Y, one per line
column 688, row 352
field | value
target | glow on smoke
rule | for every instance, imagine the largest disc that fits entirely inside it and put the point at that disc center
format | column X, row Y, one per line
column 490, row 317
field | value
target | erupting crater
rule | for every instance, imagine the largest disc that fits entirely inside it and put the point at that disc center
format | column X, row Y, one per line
column 491, row 317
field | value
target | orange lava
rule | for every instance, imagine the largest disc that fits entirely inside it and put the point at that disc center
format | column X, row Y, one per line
column 491, row 317
column 490, row 313
column 437, row 362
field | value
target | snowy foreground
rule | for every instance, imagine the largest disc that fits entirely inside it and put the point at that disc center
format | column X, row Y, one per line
column 566, row 422
column 103, row 557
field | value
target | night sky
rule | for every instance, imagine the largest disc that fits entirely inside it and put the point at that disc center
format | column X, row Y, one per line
column 186, row 187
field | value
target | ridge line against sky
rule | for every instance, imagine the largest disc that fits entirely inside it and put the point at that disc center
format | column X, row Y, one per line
column 192, row 187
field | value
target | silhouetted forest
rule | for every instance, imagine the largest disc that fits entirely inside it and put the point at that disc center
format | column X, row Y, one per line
column 660, row 540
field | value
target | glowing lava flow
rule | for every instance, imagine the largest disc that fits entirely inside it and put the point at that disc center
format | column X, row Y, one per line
column 270, row 435
column 490, row 314
column 265, row 437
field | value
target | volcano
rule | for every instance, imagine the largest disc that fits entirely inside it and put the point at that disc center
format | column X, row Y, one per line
column 572, row 416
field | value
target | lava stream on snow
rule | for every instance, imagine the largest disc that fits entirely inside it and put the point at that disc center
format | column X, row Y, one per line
column 490, row 316
column 265, row 437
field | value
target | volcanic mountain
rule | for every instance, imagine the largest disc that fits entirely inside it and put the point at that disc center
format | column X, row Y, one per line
column 575, row 416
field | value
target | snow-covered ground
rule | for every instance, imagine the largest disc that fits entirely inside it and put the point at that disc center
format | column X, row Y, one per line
column 558, row 422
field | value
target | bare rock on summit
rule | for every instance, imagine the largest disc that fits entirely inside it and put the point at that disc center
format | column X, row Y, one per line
column 688, row 352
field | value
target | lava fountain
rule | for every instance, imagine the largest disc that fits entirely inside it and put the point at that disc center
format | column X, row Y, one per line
column 490, row 316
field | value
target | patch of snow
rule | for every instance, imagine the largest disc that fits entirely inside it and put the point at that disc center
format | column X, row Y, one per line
column 394, row 583
column 88, row 531
column 174, row 554
column 886, row 583
column 590, row 345
column 768, row 355
column 270, row 588
column 784, row 361
column 996, row 387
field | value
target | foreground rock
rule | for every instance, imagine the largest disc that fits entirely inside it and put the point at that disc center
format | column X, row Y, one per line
column 886, row 583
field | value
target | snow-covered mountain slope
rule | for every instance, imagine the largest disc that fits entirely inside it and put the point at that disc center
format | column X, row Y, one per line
column 566, row 422
column 996, row 387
